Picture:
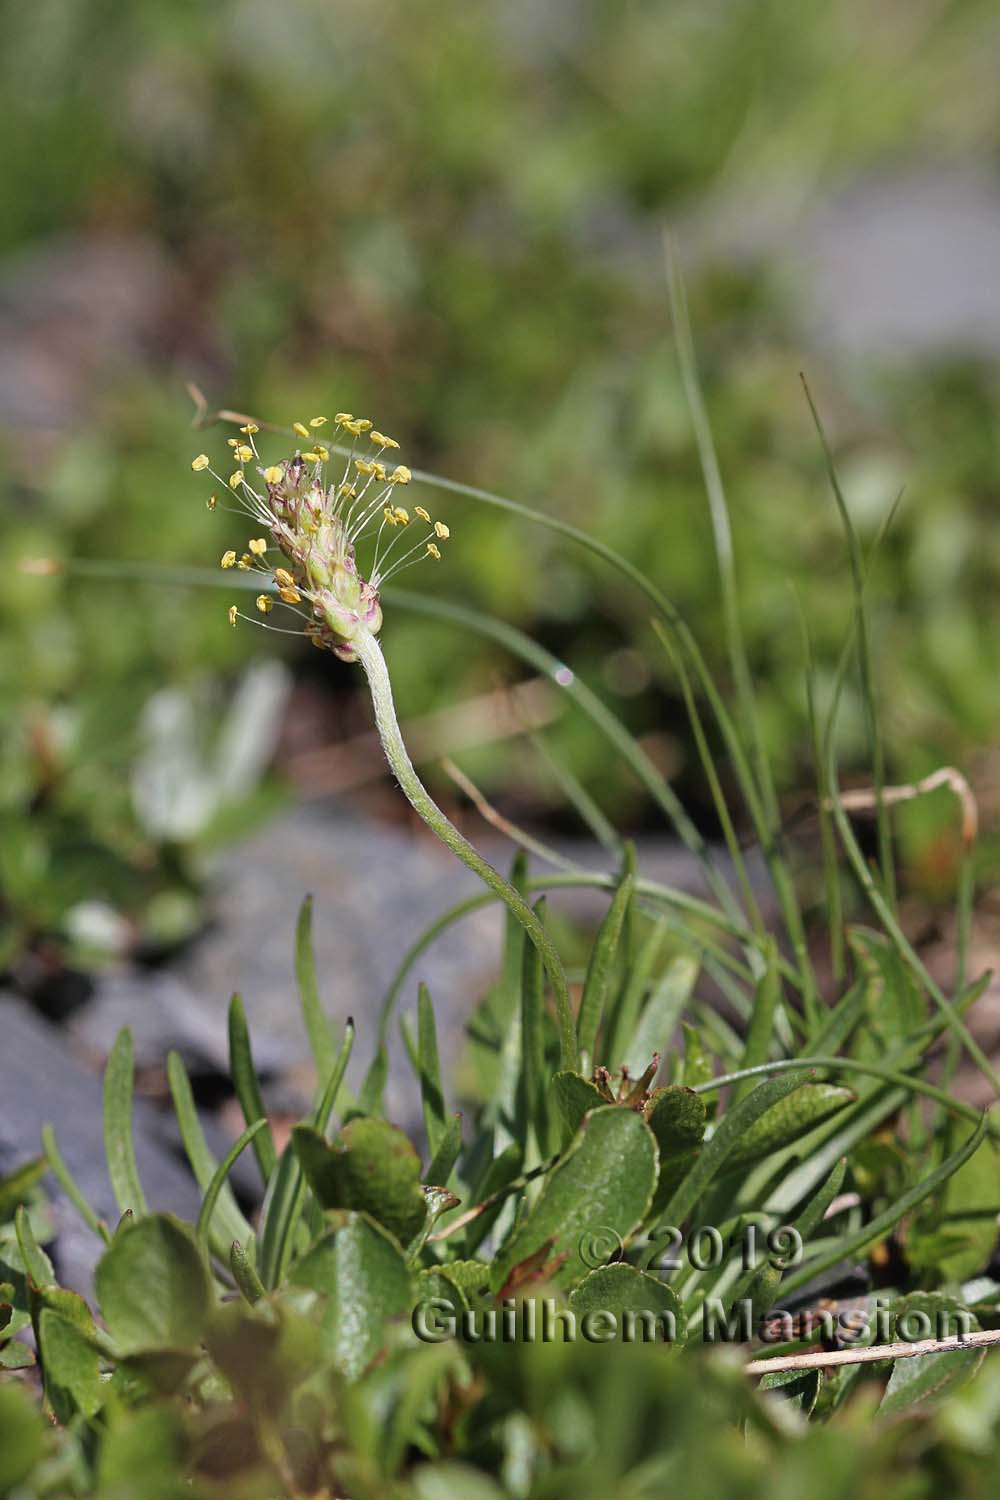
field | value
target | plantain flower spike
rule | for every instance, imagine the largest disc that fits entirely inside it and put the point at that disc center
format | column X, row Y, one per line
column 317, row 515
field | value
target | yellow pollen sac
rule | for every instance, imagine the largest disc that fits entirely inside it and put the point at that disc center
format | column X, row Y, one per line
column 401, row 475
column 359, row 425
column 433, row 551
column 402, row 516
column 424, row 515
column 233, row 613
column 290, row 596
column 349, row 490
column 212, row 502
column 201, row 462
column 283, row 578
column 244, row 563
column 233, row 442
column 264, row 604
column 258, row 546
column 311, row 457
column 390, row 515
column 318, row 421
column 273, row 475
column 343, row 419
column 244, row 453
column 235, row 479
column 250, row 428
column 363, row 466
column 228, row 560
column 300, row 428
column 441, row 530
column 324, row 453
column 379, row 471
column 383, row 441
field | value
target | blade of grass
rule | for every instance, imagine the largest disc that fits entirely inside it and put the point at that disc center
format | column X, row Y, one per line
column 602, row 958
column 318, row 1028
column 232, row 1225
column 65, row 1178
column 118, row 1148
column 219, row 1181
column 852, row 1245
column 429, row 1066
column 580, row 799
column 247, row 1087
column 533, row 1114
column 761, row 1028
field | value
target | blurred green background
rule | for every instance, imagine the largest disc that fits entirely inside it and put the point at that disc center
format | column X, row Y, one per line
column 449, row 215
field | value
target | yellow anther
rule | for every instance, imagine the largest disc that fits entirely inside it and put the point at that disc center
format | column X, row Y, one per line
column 235, row 479
column 244, row 453
column 244, row 563
column 228, row 560
column 233, row 442
column 402, row 475
column 201, row 462
column 383, row 441
column 258, row 546
column 311, row 457
column 250, row 428
column 379, row 471
column 212, row 502
column 264, row 603
column 424, row 515
column 343, row 419
column 358, row 425
column 300, row 428
column 273, row 475
column 441, row 530
column 402, row 516
column 283, row 578
column 233, row 613
column 349, row 490
column 363, row 466
column 433, row 551
column 317, row 421
column 390, row 515
column 324, row 453
column 290, row 596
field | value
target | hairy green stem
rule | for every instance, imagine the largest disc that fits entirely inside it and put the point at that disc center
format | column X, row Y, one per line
column 369, row 654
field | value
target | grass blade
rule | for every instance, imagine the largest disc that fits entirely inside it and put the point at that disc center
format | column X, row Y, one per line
column 602, row 958
column 429, row 1069
column 318, row 1028
column 219, row 1181
column 762, row 1017
column 66, row 1181
column 247, row 1087
column 232, row 1225
column 118, row 1148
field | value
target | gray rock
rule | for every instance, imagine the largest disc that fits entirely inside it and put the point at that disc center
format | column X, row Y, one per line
column 43, row 1081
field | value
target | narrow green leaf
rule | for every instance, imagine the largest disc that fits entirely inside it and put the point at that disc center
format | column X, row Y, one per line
column 443, row 1161
column 285, row 1196
column 245, row 1274
column 625, row 1014
column 788, row 1120
column 697, row 1066
column 36, row 1263
column 662, row 1014
column 851, row 1245
column 761, row 1027
column 68, row 1184
column 231, row 1223
column 318, row 1028
column 431, row 1093
column 17, row 1187
column 247, row 1087
column 218, row 1182
column 929, row 1377
column 602, row 958
column 122, row 1170
column 531, row 1103
column 715, row 1153
column 372, row 1092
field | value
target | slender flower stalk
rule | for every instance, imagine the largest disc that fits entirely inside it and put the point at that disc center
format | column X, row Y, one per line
column 315, row 524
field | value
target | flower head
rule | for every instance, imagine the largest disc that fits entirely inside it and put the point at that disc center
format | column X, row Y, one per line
column 315, row 521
